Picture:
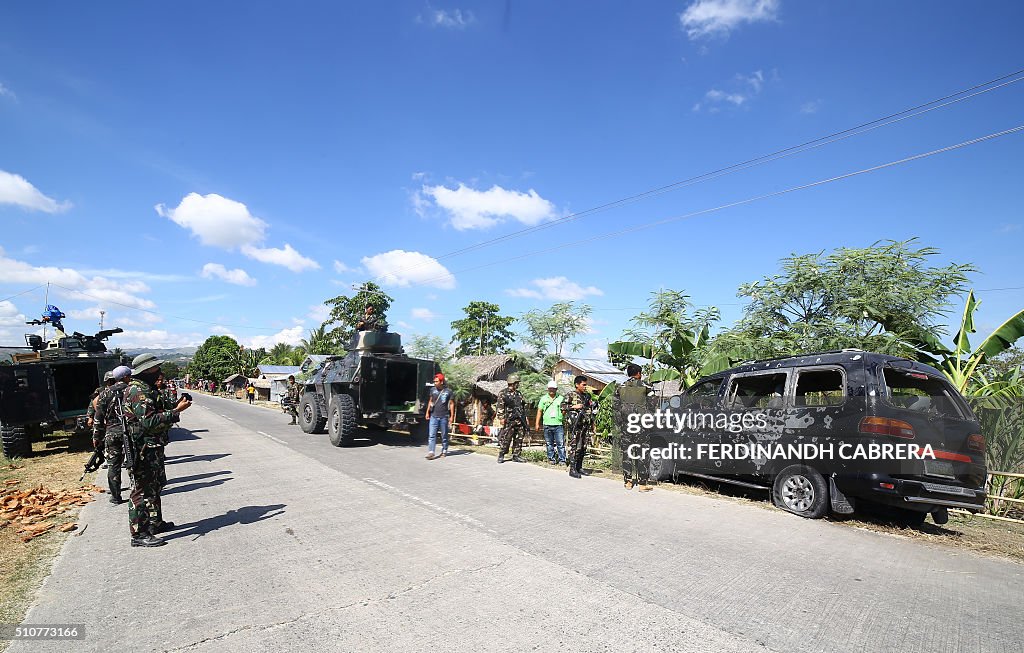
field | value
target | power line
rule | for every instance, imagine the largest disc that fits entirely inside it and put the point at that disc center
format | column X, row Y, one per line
column 834, row 137
column 749, row 200
column 22, row 293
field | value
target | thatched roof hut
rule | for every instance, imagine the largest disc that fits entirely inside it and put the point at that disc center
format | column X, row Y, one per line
column 489, row 372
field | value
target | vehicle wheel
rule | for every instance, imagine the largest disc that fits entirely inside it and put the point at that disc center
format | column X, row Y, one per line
column 802, row 491
column 16, row 443
column 310, row 419
column 660, row 469
column 909, row 517
column 420, row 432
column 341, row 420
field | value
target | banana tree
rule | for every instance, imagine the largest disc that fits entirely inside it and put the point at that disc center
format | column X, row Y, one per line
column 961, row 363
column 674, row 359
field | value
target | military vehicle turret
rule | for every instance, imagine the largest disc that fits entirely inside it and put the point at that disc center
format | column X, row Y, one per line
column 49, row 388
column 374, row 385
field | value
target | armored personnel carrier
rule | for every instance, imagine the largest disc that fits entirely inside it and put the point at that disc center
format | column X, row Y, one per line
column 49, row 388
column 374, row 385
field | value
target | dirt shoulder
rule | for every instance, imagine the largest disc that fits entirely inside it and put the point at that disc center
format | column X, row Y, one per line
column 55, row 466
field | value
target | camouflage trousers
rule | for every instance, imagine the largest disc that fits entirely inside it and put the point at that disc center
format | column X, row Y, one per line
column 512, row 434
column 578, row 448
column 114, row 453
column 144, row 502
column 636, row 469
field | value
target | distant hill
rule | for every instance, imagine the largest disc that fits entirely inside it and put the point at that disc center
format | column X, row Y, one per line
column 179, row 354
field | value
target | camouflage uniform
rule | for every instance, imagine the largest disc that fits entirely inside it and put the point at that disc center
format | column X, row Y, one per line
column 163, row 438
column 511, row 410
column 90, row 412
column 579, row 423
column 633, row 470
column 144, row 418
column 294, row 390
column 110, row 428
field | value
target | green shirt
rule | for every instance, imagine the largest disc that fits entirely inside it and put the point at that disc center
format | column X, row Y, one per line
column 551, row 409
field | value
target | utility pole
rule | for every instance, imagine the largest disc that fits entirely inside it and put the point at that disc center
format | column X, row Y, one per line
column 102, row 313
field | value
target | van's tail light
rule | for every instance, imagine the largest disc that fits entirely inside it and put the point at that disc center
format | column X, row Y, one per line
column 885, row 426
column 976, row 442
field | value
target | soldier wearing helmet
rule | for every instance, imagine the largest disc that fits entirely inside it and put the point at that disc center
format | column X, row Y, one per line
column 511, row 415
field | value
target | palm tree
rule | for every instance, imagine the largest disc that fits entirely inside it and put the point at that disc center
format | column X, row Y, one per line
column 318, row 341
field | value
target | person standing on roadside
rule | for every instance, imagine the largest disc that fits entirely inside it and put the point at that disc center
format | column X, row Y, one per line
column 292, row 399
column 250, row 391
column 511, row 416
column 440, row 415
column 109, row 429
column 578, row 408
column 143, row 421
column 631, row 397
column 549, row 411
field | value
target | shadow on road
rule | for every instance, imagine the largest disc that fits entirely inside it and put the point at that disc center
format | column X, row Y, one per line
column 210, row 457
column 195, row 486
column 196, row 477
column 180, row 435
column 245, row 515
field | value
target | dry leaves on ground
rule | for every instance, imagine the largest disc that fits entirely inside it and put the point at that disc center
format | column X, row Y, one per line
column 29, row 511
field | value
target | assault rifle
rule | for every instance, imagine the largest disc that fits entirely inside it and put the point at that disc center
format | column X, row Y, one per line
column 94, row 462
column 129, row 444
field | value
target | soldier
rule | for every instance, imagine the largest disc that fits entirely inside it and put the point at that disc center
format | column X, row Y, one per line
column 578, row 408
column 109, row 429
column 631, row 397
column 511, row 415
column 292, row 399
column 165, row 401
column 90, row 412
column 143, row 417
column 371, row 321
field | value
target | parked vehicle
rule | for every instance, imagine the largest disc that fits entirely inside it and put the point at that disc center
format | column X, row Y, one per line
column 843, row 398
column 49, row 388
column 375, row 385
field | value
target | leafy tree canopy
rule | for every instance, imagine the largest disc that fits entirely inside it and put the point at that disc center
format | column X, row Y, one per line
column 429, row 347
column 549, row 332
column 216, row 359
column 482, row 331
column 347, row 311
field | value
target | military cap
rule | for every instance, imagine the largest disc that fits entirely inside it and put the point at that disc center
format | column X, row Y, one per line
column 108, row 375
column 144, row 362
column 513, row 378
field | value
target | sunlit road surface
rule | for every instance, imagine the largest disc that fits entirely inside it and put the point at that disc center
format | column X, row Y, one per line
column 286, row 543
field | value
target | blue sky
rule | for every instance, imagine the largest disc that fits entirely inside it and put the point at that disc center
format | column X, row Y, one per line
column 237, row 164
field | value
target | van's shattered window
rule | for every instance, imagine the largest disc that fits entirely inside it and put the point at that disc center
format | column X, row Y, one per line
column 921, row 392
column 760, row 391
column 820, row 388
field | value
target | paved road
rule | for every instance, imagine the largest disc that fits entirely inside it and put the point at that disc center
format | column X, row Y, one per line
column 286, row 543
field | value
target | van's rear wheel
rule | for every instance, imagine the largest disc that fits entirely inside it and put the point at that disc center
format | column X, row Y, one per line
column 16, row 443
column 660, row 468
column 341, row 421
column 310, row 419
column 802, row 491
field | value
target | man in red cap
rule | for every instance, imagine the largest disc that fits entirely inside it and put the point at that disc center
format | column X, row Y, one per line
column 440, row 411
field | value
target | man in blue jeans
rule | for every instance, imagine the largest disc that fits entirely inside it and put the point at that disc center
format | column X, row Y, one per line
column 549, row 410
column 440, row 411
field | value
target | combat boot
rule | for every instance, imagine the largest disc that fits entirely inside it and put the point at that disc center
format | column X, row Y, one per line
column 573, row 473
column 148, row 540
column 501, row 458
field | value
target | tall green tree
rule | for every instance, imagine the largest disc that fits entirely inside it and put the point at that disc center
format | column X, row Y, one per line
column 428, row 347
column 347, row 311
column 319, row 341
column 549, row 332
column 866, row 298
column 483, row 331
column 216, row 359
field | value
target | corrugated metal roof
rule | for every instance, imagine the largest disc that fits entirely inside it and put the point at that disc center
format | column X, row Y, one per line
column 279, row 369
column 594, row 365
column 608, row 378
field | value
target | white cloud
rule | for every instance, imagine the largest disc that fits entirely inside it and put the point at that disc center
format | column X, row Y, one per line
column 559, row 289
column 423, row 314
column 451, row 19
column 82, row 287
column 155, row 339
column 404, row 325
column 810, row 107
column 238, row 276
column 468, row 208
column 216, row 220
column 10, row 316
column 286, row 257
column 6, row 92
column 319, row 313
column 741, row 89
column 16, row 190
column 341, row 268
column 403, row 269
column 706, row 18
column 290, row 336
column 1009, row 228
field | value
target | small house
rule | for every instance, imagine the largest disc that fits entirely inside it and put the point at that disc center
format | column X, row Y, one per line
column 599, row 373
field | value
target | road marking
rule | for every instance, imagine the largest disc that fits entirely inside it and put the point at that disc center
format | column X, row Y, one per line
column 430, row 505
column 271, row 437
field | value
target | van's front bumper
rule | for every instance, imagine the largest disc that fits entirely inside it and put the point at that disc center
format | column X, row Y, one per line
column 912, row 494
